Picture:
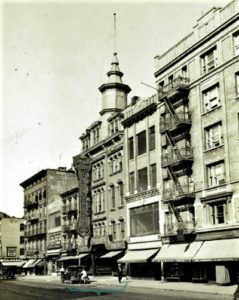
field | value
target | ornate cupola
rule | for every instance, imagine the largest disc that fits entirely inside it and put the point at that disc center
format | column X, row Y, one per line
column 114, row 93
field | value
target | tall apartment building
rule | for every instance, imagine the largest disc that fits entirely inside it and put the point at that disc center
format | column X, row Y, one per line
column 102, row 144
column 11, row 239
column 42, row 211
column 198, row 82
column 142, row 169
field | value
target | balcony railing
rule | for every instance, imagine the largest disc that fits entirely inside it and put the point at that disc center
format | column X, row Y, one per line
column 187, row 227
column 177, row 155
column 178, row 84
column 65, row 227
column 186, row 191
column 172, row 122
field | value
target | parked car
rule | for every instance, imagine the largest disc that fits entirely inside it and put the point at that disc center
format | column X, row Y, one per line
column 72, row 274
column 8, row 272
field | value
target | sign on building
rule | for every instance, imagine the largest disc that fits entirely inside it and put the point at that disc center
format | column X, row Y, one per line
column 83, row 168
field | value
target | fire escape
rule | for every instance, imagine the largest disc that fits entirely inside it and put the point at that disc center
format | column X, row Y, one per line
column 177, row 157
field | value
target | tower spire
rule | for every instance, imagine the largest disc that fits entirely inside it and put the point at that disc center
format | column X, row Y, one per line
column 115, row 51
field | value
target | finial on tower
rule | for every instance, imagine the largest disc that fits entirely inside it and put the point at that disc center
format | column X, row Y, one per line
column 115, row 52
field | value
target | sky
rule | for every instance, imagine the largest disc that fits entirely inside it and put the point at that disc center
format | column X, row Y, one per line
column 55, row 55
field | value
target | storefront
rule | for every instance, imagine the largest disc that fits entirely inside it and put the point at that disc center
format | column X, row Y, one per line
column 109, row 260
column 82, row 259
column 138, row 263
column 176, row 260
column 217, row 261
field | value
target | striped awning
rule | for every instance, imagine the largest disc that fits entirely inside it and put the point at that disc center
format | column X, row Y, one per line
column 218, row 250
column 29, row 263
column 137, row 256
column 178, row 252
column 111, row 254
column 13, row 263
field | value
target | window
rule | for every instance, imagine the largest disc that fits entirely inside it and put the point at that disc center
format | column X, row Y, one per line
column 22, row 252
column 184, row 72
column 216, row 175
column 21, row 227
column 211, row 98
column 208, row 61
column 153, row 176
column 213, row 136
column 170, row 80
column 54, row 220
column 141, row 143
column 142, row 180
column 131, row 183
column 151, row 138
column 131, row 148
column 236, row 43
column 121, row 193
column 218, row 212
column 21, row 239
column 237, row 84
column 122, row 229
column 112, row 196
column 144, row 220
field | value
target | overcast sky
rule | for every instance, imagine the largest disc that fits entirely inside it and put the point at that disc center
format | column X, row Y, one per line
column 55, row 55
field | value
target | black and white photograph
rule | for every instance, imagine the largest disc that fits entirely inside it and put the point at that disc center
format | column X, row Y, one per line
column 119, row 149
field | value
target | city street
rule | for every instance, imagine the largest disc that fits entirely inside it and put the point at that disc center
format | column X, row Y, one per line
column 26, row 290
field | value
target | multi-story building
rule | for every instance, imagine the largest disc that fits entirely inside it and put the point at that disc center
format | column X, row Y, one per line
column 198, row 82
column 42, row 208
column 142, row 181
column 75, row 249
column 11, row 239
column 102, row 143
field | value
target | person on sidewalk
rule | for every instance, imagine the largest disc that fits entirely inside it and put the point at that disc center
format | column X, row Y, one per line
column 120, row 273
column 84, row 276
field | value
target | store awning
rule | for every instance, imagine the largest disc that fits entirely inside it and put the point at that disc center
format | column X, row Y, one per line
column 13, row 263
column 111, row 254
column 36, row 263
column 137, row 256
column 29, row 263
column 73, row 257
column 219, row 250
column 177, row 252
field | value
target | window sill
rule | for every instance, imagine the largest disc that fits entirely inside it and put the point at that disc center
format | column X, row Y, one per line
column 215, row 186
column 208, row 150
column 98, row 180
column 116, row 172
column 99, row 213
column 112, row 209
column 211, row 110
column 141, row 155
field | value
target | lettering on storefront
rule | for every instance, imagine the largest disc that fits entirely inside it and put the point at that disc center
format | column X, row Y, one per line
column 83, row 168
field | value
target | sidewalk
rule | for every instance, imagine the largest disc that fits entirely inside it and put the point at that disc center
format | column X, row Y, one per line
column 206, row 288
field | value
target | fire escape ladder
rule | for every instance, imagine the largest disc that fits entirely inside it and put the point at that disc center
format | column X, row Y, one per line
column 177, row 215
column 171, row 110
column 173, row 145
column 175, row 180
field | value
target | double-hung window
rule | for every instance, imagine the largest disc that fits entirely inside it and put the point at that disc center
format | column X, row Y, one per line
column 208, row 61
column 216, row 174
column 213, row 136
column 236, row 42
column 211, row 98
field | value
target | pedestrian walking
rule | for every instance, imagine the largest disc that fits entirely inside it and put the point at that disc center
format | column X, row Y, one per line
column 120, row 273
